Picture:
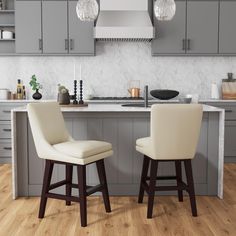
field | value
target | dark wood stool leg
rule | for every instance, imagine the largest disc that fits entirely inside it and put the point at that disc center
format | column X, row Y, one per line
column 146, row 162
column 82, row 194
column 103, row 181
column 178, row 170
column 190, row 182
column 46, row 183
column 152, row 185
column 69, row 173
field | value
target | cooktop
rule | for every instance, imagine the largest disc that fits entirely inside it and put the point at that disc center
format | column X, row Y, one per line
column 116, row 98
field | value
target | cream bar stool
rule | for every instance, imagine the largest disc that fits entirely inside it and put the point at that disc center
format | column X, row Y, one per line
column 55, row 145
column 174, row 136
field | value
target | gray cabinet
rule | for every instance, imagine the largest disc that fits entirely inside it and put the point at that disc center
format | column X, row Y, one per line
column 170, row 35
column 5, row 130
column 28, row 27
column 202, row 27
column 54, row 18
column 193, row 30
column 81, row 37
column 227, row 27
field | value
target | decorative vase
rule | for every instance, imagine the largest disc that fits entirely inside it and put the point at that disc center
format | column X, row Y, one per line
column 37, row 95
column 63, row 98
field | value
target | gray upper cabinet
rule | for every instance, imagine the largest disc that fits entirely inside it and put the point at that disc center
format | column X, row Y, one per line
column 81, row 37
column 227, row 29
column 54, row 18
column 170, row 35
column 193, row 30
column 28, row 27
column 202, row 27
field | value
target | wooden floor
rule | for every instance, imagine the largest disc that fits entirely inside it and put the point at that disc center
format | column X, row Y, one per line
column 216, row 217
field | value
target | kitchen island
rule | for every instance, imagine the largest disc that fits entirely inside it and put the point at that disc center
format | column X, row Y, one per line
column 121, row 126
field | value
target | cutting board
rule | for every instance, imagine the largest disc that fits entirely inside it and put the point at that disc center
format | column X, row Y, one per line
column 228, row 90
column 75, row 105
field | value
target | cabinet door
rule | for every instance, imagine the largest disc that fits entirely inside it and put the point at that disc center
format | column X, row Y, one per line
column 80, row 33
column 227, row 28
column 202, row 27
column 230, row 137
column 55, row 37
column 170, row 35
column 28, row 27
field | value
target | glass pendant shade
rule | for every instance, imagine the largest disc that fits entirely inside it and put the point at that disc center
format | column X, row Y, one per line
column 164, row 9
column 87, row 10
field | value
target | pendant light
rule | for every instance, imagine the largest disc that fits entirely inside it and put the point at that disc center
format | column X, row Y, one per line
column 87, row 10
column 164, row 9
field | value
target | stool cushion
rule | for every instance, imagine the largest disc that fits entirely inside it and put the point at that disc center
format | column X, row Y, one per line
column 83, row 149
column 144, row 145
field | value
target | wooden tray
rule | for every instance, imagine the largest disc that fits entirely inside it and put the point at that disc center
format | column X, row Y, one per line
column 75, row 105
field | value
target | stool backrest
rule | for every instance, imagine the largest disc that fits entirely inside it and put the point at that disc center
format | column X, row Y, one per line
column 175, row 130
column 47, row 124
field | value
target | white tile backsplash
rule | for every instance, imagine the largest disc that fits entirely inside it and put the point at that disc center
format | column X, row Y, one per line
column 116, row 63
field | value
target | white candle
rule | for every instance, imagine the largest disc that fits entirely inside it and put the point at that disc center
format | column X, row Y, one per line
column 80, row 72
column 74, row 70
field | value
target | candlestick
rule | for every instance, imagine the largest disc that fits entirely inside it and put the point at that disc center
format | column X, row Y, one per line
column 81, row 92
column 75, row 92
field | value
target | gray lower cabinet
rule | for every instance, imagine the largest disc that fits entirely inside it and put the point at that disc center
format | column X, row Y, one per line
column 5, row 130
column 230, row 129
column 124, row 167
column 28, row 27
column 81, row 38
column 202, row 27
column 54, row 18
column 227, row 28
column 170, row 35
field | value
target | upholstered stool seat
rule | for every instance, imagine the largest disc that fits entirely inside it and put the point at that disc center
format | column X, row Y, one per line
column 83, row 152
column 174, row 136
column 54, row 144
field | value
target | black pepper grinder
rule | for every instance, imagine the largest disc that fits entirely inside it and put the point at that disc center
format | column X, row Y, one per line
column 81, row 92
column 75, row 92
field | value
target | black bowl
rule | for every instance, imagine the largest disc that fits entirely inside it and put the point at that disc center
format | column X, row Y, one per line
column 164, row 94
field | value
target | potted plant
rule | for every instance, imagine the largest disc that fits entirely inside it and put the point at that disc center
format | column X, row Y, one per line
column 35, row 87
column 63, row 95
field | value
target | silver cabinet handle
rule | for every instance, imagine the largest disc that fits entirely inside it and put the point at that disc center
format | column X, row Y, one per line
column 183, row 44
column 40, row 44
column 188, row 44
column 6, row 111
column 71, row 44
column 7, row 148
column 228, row 110
column 66, row 44
column 7, row 130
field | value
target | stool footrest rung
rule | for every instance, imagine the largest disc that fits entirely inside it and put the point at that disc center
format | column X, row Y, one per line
column 58, row 184
column 62, row 197
column 162, row 177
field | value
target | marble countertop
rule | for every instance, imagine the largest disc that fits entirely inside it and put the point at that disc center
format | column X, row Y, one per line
column 113, row 108
column 123, row 101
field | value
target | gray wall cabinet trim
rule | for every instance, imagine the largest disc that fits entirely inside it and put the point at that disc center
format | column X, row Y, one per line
column 28, row 27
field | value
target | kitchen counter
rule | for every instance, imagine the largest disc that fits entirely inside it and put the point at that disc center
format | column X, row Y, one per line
column 113, row 108
column 121, row 126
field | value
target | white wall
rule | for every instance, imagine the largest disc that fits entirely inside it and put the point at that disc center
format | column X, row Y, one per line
column 116, row 63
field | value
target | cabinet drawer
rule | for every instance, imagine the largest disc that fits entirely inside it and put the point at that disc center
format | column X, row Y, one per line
column 5, row 130
column 5, row 149
column 5, row 112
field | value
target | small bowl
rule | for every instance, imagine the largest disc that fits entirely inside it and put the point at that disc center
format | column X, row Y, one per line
column 185, row 100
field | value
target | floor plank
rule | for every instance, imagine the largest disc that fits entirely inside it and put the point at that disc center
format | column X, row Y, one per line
column 170, row 217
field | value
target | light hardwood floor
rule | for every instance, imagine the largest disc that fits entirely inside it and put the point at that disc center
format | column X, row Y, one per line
column 216, row 217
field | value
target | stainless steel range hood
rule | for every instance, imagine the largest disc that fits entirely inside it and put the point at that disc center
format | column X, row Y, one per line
column 124, row 20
